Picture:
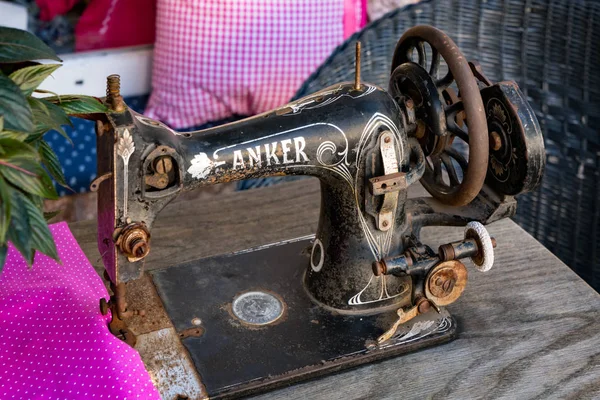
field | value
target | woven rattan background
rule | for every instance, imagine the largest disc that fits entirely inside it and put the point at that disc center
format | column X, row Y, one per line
column 552, row 49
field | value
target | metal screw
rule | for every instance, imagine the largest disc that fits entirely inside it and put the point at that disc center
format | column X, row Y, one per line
column 387, row 139
column 495, row 141
column 134, row 240
column 384, row 223
column 139, row 247
column 448, row 285
column 163, row 164
column 113, row 93
column 424, row 306
column 113, row 85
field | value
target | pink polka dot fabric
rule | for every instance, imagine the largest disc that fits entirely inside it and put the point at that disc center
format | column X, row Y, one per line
column 214, row 58
column 54, row 342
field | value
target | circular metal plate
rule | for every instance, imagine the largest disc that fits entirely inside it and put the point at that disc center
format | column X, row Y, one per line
column 257, row 308
column 446, row 282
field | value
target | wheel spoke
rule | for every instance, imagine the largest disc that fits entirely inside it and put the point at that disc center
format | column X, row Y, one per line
column 437, row 170
column 460, row 159
column 445, row 81
column 435, row 63
column 458, row 131
column 450, row 169
column 454, row 109
column 422, row 54
column 409, row 53
column 451, row 124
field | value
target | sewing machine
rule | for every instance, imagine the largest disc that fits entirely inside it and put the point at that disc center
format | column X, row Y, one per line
column 364, row 287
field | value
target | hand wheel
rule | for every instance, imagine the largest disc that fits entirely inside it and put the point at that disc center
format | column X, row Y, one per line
column 443, row 127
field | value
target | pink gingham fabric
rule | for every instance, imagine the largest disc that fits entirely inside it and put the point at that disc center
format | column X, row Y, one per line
column 218, row 58
column 54, row 342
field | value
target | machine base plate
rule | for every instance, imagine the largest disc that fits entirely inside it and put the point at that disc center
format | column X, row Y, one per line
column 250, row 326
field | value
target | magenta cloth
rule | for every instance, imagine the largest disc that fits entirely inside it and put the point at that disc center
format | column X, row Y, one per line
column 214, row 58
column 54, row 342
column 51, row 8
column 107, row 24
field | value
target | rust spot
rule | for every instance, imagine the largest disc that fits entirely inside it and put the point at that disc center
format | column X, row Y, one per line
column 134, row 241
column 196, row 331
column 141, row 294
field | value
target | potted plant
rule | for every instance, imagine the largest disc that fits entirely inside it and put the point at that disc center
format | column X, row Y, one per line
column 28, row 165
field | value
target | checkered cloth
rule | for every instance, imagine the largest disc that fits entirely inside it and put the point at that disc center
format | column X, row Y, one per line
column 218, row 58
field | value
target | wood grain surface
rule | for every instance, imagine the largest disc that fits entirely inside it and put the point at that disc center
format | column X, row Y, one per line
column 529, row 328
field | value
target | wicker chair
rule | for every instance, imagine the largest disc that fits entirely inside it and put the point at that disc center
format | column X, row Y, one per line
column 552, row 49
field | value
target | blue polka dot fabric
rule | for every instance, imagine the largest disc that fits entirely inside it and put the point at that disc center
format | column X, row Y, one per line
column 79, row 160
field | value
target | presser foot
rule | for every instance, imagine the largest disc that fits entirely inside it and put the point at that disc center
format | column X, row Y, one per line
column 260, row 330
column 117, row 326
column 118, row 309
column 422, row 305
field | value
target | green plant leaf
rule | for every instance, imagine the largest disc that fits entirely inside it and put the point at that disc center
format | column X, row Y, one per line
column 18, row 232
column 38, row 105
column 57, row 113
column 19, row 46
column 48, row 116
column 4, row 210
column 41, row 238
column 43, row 91
column 29, row 176
column 51, row 214
column 20, row 136
column 14, row 107
column 51, row 163
column 8, row 69
column 16, row 148
column 73, row 104
column 29, row 78
column 37, row 200
column 3, row 252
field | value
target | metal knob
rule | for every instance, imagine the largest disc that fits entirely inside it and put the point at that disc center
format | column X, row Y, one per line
column 134, row 241
column 484, row 259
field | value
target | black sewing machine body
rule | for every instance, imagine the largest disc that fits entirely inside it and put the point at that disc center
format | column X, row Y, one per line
column 372, row 287
column 288, row 141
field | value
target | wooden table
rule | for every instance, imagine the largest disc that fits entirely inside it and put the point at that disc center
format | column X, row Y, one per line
column 528, row 329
